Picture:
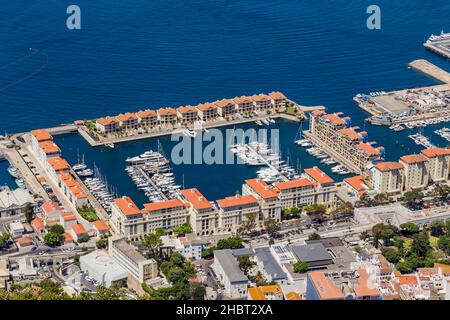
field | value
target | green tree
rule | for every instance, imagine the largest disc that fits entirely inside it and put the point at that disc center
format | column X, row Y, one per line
column 56, row 228
column 230, row 243
column 102, row 243
column 272, row 226
column 442, row 190
column 248, row 224
column 444, row 244
column 344, row 211
column 392, row 255
column 437, row 228
column 112, row 293
column 198, row 291
column 413, row 197
column 28, row 212
column 4, row 239
column 53, row 239
column 316, row 211
column 245, row 264
column 314, row 236
column 421, row 244
column 160, row 232
column 183, row 229
column 384, row 232
column 152, row 242
column 409, row 228
column 300, row 267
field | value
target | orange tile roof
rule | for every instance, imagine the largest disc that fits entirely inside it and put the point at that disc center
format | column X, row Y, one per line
column 169, row 204
column 407, row 279
column 299, row 183
column 24, row 240
column 361, row 287
column 277, row 95
column 146, row 113
column 351, row 134
column 166, row 111
column 49, row 147
column 49, row 206
column 318, row 113
column 107, row 120
column 444, row 268
column 435, row 152
column 68, row 237
column 68, row 216
column 38, row 223
column 427, row 272
column 196, row 198
column 368, row 149
column 318, row 175
column 259, row 293
column 334, row 118
column 41, row 135
column 58, row 164
column 237, row 201
column 100, row 225
column 127, row 206
column 206, row 106
column 262, row 189
column 413, row 158
column 324, row 286
column 126, row 116
column 79, row 229
column 242, row 99
column 187, row 109
column 292, row 295
column 260, row 97
column 389, row 166
column 224, row 102
column 357, row 183
column 256, row 294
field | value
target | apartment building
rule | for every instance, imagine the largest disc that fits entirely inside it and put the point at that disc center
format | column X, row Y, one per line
column 187, row 114
column 325, row 187
column 438, row 164
column 388, row 177
column 39, row 136
column 357, row 186
column 50, row 212
column 207, row 111
column 262, row 102
column 234, row 210
column 72, row 189
column 416, row 171
column 55, row 167
column 107, row 125
column 336, row 133
column 13, row 202
column 279, row 100
column 267, row 197
column 296, row 193
column 147, row 118
column 226, row 107
column 244, row 105
column 226, row 268
column 48, row 149
column 139, row 268
column 167, row 116
column 128, row 121
column 132, row 222
column 202, row 212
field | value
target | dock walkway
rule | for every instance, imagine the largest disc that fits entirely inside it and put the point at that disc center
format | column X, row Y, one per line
column 430, row 70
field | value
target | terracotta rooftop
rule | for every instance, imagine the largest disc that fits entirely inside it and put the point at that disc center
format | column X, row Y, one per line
column 361, row 287
column 100, row 225
column 196, row 198
column 169, row 204
column 237, row 201
column 413, row 158
column 357, row 183
column 351, row 134
column 262, row 189
column 326, row 289
column 49, row 206
column 187, row 109
column 79, row 229
column 58, row 164
column 206, row 106
column 49, row 147
column 126, row 116
column 165, row 111
column 224, row 102
column 318, row 175
column 299, row 183
column 146, row 113
column 368, row 149
column 334, row 118
column 107, row 120
column 435, row 152
column 38, row 223
column 242, row 99
column 260, row 97
column 389, row 166
column 277, row 95
column 127, row 206
column 41, row 135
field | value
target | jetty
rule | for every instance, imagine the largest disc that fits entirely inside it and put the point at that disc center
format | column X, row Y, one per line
column 430, row 70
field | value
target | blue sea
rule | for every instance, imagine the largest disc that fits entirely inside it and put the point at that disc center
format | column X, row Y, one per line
column 134, row 54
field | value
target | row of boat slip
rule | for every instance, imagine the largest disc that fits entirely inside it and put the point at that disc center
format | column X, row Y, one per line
column 153, row 176
column 256, row 154
column 14, row 172
column 397, row 127
column 444, row 133
column 421, row 140
column 323, row 156
column 424, row 123
column 271, row 175
column 99, row 190
column 266, row 122
column 440, row 37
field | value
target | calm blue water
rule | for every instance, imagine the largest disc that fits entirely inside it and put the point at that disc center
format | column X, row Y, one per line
column 168, row 53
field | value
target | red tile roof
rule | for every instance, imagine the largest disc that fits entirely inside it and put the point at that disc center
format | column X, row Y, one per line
column 435, row 152
column 197, row 199
column 389, row 166
column 107, row 120
column 357, row 183
column 362, row 288
column 277, row 95
column 324, row 286
column 127, row 206
column 368, row 149
column 318, row 175
column 58, row 163
column 294, row 184
column 187, row 109
column 146, row 113
column 49, row 147
column 166, row 111
column 41, row 135
column 79, row 229
column 351, row 134
column 334, row 118
column 100, row 225
column 224, row 102
column 206, row 106
column 262, row 189
column 169, row 204
column 49, row 206
column 413, row 158
column 37, row 223
column 126, row 116
column 68, row 237
column 237, row 201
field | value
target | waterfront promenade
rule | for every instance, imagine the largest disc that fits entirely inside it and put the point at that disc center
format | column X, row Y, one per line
column 430, row 70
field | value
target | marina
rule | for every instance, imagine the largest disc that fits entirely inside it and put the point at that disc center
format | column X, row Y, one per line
column 443, row 133
column 421, row 140
column 439, row 44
